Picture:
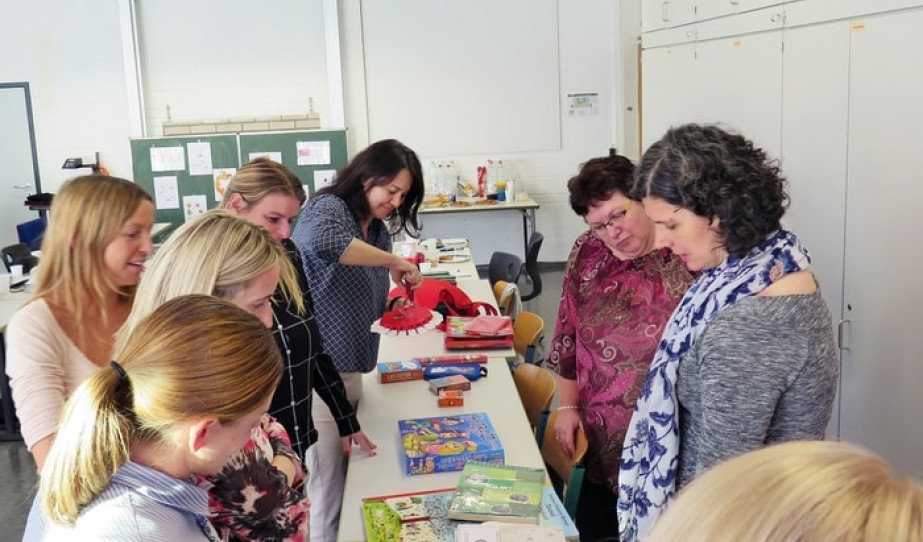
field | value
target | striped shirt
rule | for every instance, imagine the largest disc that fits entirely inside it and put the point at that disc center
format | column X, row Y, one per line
column 307, row 367
column 347, row 298
column 139, row 504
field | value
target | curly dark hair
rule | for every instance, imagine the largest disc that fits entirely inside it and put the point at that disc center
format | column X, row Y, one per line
column 598, row 179
column 379, row 164
column 716, row 174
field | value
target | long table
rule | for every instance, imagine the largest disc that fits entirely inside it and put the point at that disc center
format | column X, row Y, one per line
column 382, row 405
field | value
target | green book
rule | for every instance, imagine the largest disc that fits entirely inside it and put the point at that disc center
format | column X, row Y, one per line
column 488, row 492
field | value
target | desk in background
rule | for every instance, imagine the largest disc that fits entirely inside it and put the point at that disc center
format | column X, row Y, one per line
column 9, row 304
column 525, row 207
column 382, row 405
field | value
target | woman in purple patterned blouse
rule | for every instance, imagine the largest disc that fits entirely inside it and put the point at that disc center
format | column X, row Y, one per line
column 617, row 295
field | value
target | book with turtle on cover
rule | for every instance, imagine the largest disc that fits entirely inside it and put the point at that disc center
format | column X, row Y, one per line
column 488, row 492
column 422, row 517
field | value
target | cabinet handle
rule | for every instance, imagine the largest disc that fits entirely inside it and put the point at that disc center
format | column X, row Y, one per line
column 841, row 334
column 664, row 12
column 735, row 2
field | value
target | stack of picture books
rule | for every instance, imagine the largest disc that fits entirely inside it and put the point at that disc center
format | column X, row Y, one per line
column 478, row 332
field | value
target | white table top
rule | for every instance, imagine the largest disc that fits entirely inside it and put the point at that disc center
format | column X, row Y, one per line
column 382, row 405
column 10, row 302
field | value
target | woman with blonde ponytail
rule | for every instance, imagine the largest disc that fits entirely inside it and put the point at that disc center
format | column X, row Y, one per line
column 189, row 384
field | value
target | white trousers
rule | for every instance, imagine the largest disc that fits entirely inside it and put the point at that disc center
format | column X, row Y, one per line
column 327, row 465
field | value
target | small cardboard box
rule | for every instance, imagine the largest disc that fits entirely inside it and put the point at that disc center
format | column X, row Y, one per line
column 451, row 398
column 454, row 382
column 399, row 371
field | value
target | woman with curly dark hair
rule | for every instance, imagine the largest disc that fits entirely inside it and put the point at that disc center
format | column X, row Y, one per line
column 748, row 357
column 617, row 294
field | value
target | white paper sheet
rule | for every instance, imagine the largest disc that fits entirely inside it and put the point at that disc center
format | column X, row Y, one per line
column 323, row 177
column 166, row 194
column 313, row 153
column 221, row 177
column 168, row 159
column 200, row 158
column 194, row 206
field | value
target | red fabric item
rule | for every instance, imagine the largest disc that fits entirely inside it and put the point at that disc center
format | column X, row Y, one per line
column 446, row 298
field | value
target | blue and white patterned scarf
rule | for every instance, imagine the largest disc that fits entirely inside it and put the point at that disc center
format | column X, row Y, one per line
column 650, row 456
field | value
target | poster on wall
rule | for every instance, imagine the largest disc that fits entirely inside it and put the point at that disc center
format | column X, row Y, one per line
column 313, row 153
column 167, row 159
column 200, row 158
column 166, row 194
column 194, row 206
column 222, row 176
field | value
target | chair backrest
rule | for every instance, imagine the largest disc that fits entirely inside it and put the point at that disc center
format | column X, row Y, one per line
column 569, row 469
column 31, row 232
column 19, row 254
column 531, row 266
column 527, row 334
column 536, row 387
column 503, row 266
column 508, row 300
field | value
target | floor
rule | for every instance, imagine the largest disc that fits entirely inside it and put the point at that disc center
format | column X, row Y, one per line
column 17, row 471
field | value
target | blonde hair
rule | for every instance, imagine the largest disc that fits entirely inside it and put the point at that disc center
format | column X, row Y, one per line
column 89, row 212
column 797, row 492
column 213, row 254
column 193, row 356
column 260, row 177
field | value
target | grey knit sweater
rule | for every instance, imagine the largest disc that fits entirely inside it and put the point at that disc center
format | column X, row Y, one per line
column 764, row 370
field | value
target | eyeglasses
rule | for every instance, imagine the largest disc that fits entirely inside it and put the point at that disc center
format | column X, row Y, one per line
column 614, row 220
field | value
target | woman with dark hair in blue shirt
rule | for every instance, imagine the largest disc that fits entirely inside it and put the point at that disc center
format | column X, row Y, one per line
column 344, row 237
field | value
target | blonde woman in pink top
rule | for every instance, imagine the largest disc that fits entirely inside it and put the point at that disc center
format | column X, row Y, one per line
column 93, row 254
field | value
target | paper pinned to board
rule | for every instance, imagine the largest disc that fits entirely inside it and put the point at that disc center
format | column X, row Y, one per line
column 194, row 206
column 200, row 157
column 166, row 193
column 313, row 153
column 168, row 159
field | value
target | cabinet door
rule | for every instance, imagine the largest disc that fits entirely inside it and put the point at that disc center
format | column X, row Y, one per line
column 668, row 76
column 737, row 85
column 814, row 126
column 658, row 14
column 881, row 401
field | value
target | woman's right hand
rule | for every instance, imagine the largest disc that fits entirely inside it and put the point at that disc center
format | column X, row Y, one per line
column 565, row 428
column 405, row 273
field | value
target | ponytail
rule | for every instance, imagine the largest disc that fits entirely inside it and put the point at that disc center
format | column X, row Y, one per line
column 91, row 445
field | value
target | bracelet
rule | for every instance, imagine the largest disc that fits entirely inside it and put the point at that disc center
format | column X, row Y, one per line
column 567, row 407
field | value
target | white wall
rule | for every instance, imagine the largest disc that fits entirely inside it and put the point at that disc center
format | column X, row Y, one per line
column 72, row 55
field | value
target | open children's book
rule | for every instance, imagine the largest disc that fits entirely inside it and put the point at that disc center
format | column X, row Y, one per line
column 422, row 517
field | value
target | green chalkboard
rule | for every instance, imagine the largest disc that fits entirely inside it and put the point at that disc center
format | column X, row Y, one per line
column 224, row 154
column 322, row 152
column 313, row 155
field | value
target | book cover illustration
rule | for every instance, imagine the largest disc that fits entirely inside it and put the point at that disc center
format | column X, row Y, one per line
column 446, row 443
column 423, row 516
column 399, row 371
column 498, row 492
column 412, row 517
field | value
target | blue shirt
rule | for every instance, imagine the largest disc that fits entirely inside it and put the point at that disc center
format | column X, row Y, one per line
column 139, row 504
column 347, row 298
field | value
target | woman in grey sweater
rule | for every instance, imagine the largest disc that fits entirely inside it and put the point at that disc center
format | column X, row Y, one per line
column 748, row 357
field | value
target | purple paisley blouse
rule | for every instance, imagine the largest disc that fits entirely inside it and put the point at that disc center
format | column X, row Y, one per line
column 610, row 319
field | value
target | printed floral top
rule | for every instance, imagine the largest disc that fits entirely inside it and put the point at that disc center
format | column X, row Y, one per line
column 251, row 500
column 610, row 319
